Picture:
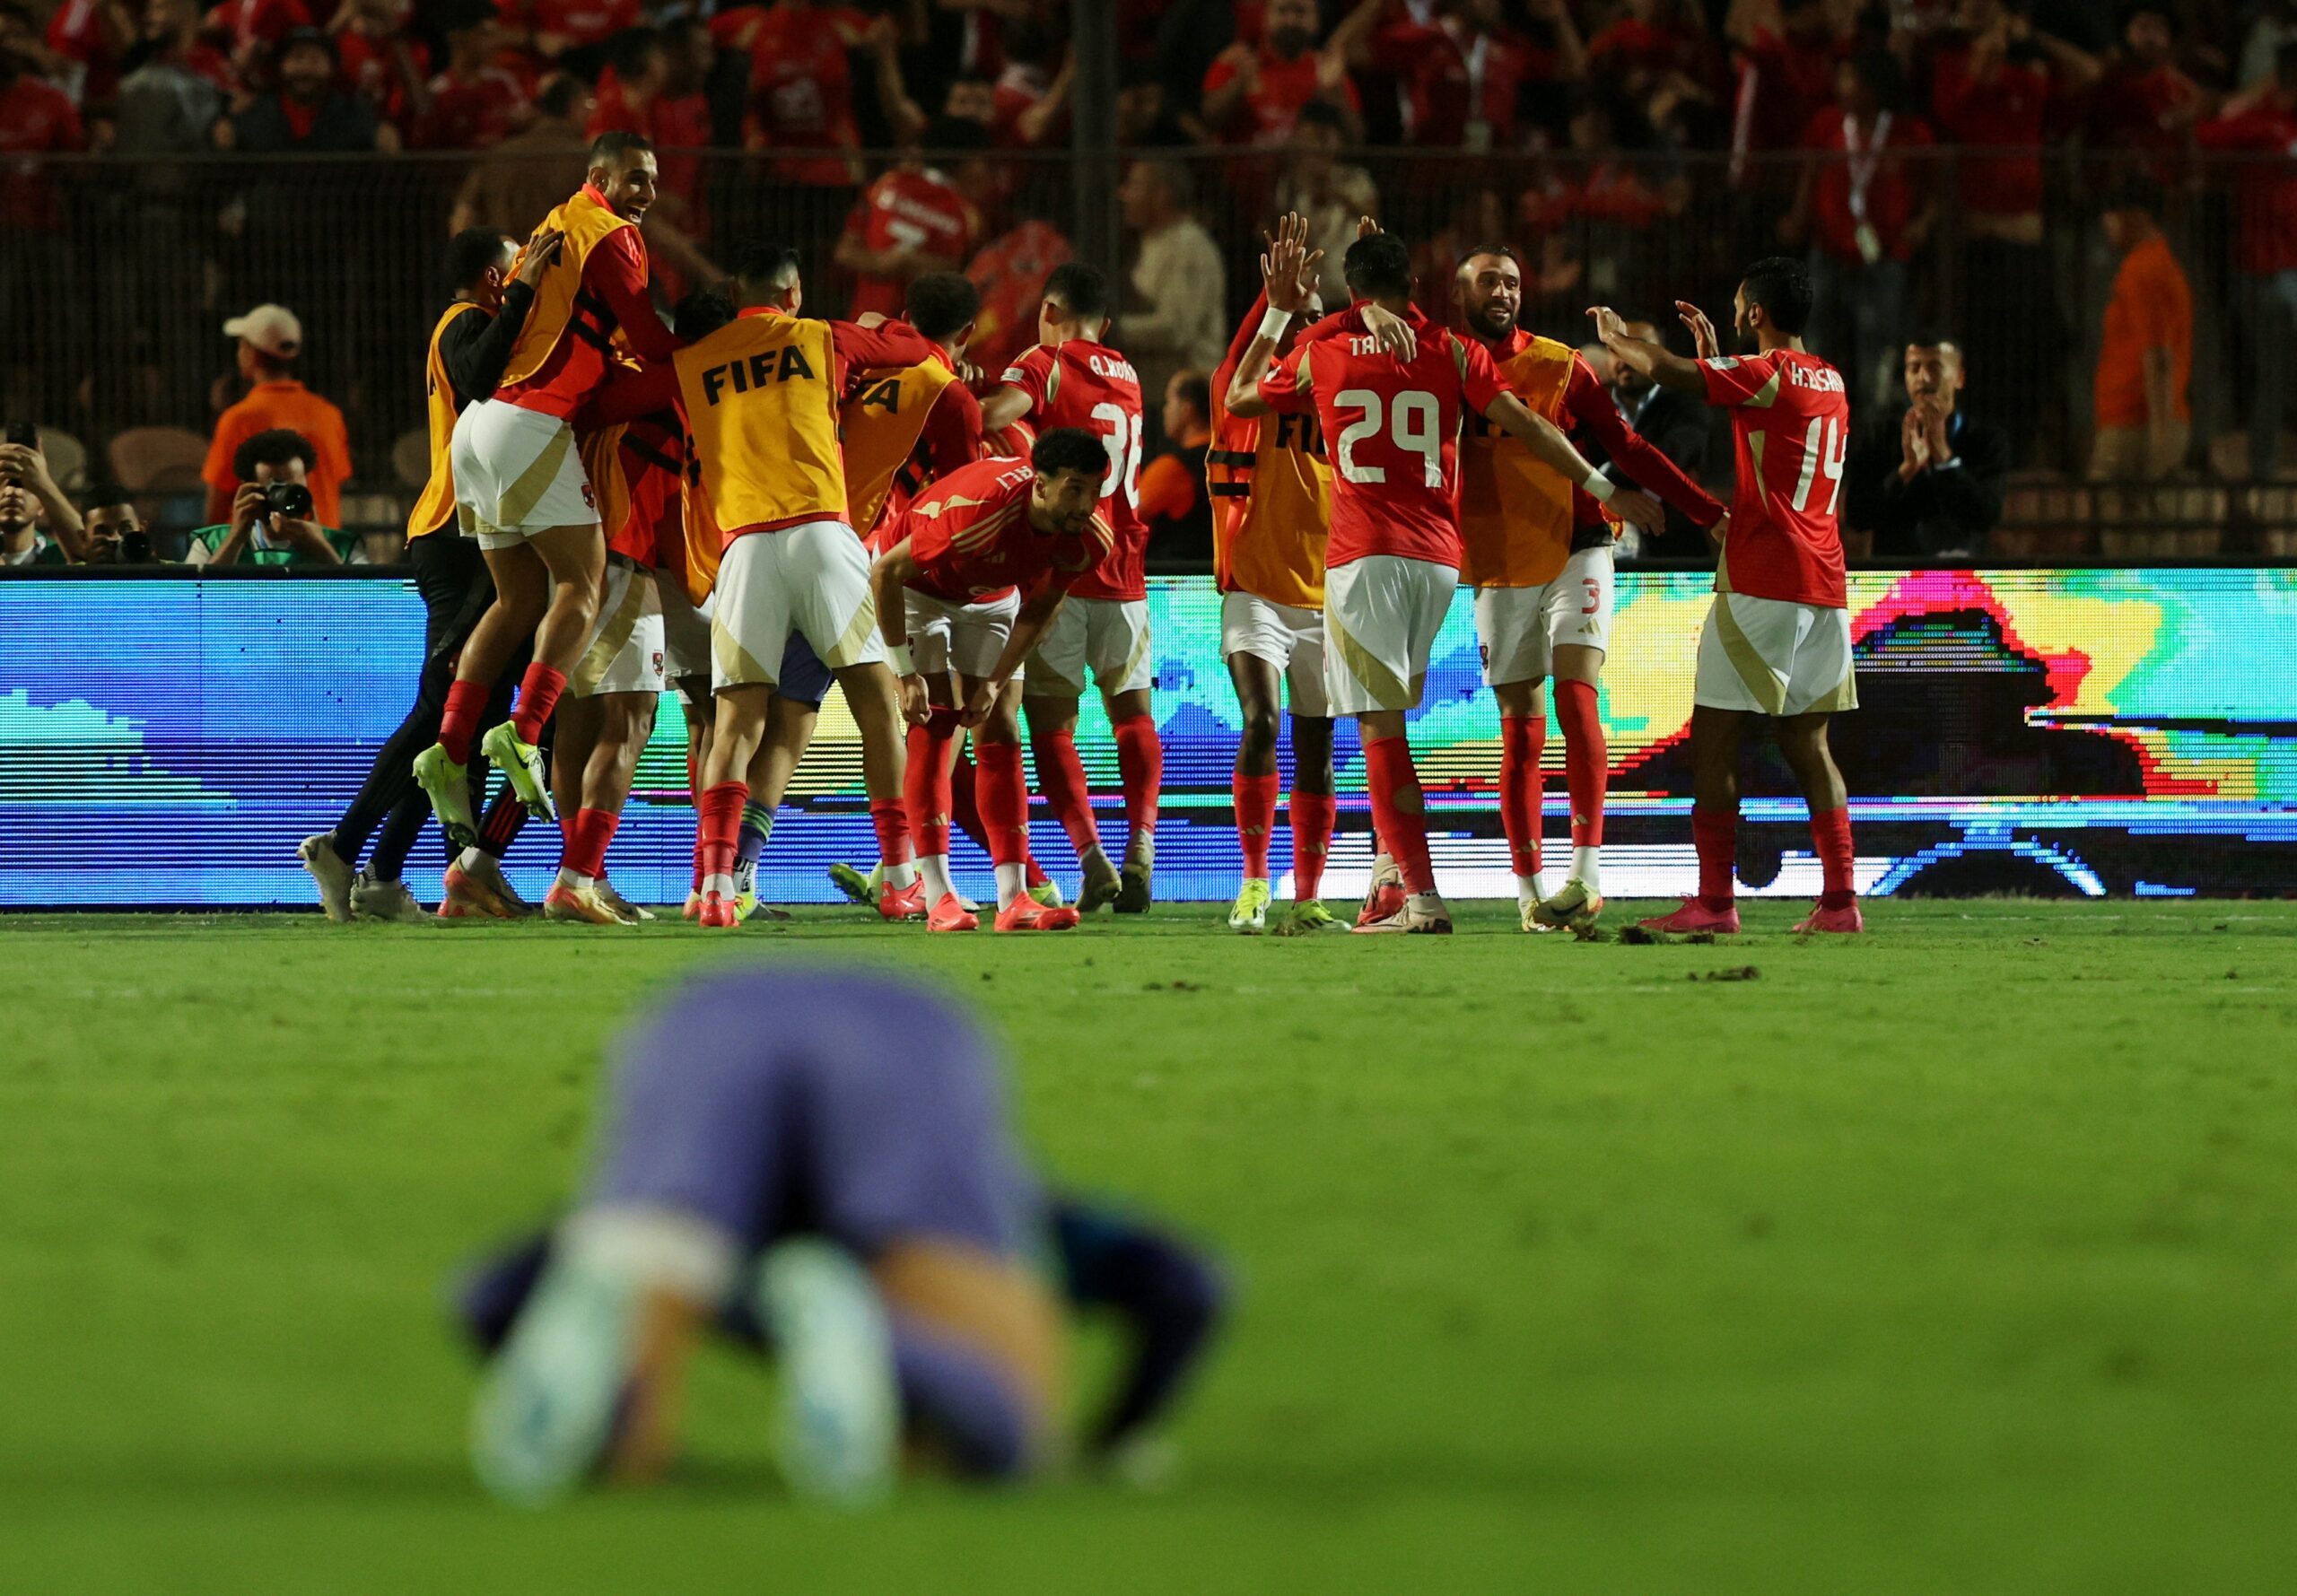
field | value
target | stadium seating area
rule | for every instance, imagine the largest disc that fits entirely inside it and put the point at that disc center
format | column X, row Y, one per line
column 174, row 168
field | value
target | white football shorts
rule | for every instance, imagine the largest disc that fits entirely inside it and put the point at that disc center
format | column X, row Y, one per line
column 517, row 473
column 968, row 639
column 1291, row 639
column 1520, row 628
column 1382, row 613
column 812, row 578
column 624, row 653
column 686, row 633
column 1770, row 657
column 1108, row 635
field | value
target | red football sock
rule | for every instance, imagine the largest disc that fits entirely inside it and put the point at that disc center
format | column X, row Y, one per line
column 926, row 787
column 565, row 833
column 697, row 850
column 465, row 703
column 719, row 831
column 890, row 816
column 1715, row 832
column 1255, row 801
column 1587, row 760
column 1521, row 738
column 538, row 692
column 1830, row 837
column 1062, row 774
column 587, row 842
column 1004, row 797
column 1141, row 764
column 964, row 808
column 1394, row 786
column 1312, row 821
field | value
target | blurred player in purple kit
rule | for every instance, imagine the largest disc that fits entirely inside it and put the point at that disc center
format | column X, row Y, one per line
column 841, row 1185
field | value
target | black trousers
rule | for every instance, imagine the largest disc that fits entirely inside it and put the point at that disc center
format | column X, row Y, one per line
column 450, row 575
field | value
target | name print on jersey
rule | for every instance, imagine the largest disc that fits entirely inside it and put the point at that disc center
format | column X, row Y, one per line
column 765, row 366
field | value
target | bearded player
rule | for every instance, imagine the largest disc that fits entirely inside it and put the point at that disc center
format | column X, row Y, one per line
column 1391, row 420
column 519, row 486
column 1539, row 556
column 1777, row 641
column 1271, row 512
column 977, row 570
column 1073, row 379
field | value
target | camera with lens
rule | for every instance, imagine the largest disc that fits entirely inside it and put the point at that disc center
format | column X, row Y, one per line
column 291, row 500
column 135, row 548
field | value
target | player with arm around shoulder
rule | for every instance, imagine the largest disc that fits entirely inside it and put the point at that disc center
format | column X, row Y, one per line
column 1777, row 641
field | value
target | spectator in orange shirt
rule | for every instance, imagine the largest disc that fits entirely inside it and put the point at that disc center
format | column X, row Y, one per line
column 1174, row 500
column 2146, row 360
column 270, row 340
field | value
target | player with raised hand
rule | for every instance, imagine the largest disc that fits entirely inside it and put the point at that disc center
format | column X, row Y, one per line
column 519, row 487
column 1073, row 379
column 1778, row 638
column 1271, row 512
column 1390, row 406
column 976, row 572
column 1539, row 556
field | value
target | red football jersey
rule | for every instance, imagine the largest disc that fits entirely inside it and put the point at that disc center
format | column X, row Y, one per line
column 920, row 211
column 1392, row 430
column 1088, row 385
column 970, row 532
column 1790, row 427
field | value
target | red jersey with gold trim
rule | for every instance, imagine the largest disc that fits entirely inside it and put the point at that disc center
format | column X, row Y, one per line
column 970, row 532
column 1088, row 385
column 1790, row 428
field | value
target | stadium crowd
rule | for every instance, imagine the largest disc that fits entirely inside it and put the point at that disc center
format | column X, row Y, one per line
column 2096, row 205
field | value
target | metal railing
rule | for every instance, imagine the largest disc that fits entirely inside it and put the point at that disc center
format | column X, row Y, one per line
column 117, row 276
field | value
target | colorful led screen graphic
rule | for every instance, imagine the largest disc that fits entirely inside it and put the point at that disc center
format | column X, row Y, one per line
column 2129, row 731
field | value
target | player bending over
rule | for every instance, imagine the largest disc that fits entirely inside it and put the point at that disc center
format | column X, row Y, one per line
column 519, row 486
column 1539, row 556
column 978, row 571
column 827, row 1154
column 1391, row 420
column 1272, row 513
column 1073, row 379
column 1777, row 641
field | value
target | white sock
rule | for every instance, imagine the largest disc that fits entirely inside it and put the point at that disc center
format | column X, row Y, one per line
column 1012, row 882
column 1426, row 902
column 935, row 870
column 572, row 878
column 1586, row 868
column 721, row 883
column 1531, row 889
column 1095, row 852
column 901, row 877
column 1384, row 868
column 470, row 859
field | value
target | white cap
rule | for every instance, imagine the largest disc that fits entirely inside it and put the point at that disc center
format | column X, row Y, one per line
column 272, row 328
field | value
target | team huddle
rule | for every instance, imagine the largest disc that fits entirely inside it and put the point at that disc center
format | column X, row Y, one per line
column 747, row 505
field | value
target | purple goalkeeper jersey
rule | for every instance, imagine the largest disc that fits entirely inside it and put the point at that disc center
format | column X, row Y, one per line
column 852, row 1106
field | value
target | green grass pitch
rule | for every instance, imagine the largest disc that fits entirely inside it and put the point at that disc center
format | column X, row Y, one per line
column 1958, row 1258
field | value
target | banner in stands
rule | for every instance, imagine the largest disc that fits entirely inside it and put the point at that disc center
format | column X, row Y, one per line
column 167, row 742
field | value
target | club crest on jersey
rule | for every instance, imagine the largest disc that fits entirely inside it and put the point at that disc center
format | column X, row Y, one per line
column 766, row 366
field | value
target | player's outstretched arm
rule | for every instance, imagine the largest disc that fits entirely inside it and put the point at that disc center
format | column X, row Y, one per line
column 1037, row 611
column 1552, row 449
column 1283, row 267
column 894, row 569
column 1002, row 408
column 1662, row 366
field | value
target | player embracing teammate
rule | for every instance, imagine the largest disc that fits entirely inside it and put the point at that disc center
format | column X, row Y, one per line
column 1778, row 638
column 1391, row 406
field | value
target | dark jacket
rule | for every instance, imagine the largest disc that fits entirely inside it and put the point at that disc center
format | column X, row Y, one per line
column 1947, row 509
column 1682, row 427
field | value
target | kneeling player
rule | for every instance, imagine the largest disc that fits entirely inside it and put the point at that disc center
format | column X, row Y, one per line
column 980, row 564
column 828, row 1153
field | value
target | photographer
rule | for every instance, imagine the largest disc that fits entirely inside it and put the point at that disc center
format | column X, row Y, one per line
column 271, row 519
column 116, row 534
column 28, row 496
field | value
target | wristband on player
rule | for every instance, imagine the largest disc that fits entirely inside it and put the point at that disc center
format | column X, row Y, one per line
column 1598, row 487
column 1273, row 323
column 897, row 656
